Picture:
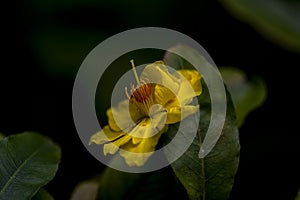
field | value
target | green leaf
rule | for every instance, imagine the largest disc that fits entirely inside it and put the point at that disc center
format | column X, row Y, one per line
column 213, row 176
column 1, row 136
column 277, row 20
column 246, row 95
column 28, row 162
column 161, row 184
column 43, row 195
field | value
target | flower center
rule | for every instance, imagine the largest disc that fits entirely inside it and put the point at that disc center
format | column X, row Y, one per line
column 142, row 95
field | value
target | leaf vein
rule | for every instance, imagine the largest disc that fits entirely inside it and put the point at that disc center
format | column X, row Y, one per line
column 23, row 164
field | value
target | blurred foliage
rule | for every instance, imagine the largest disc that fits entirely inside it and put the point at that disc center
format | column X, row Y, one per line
column 277, row 20
column 247, row 95
column 42, row 195
column 28, row 162
column 1, row 136
column 298, row 195
column 86, row 190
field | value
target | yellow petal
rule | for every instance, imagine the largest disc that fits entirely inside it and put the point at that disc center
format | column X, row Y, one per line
column 167, row 85
column 194, row 78
column 125, row 114
column 105, row 135
column 176, row 114
column 185, row 93
column 137, row 155
column 112, row 148
column 150, row 126
column 111, row 121
column 159, row 74
column 141, row 131
column 163, row 95
column 181, row 85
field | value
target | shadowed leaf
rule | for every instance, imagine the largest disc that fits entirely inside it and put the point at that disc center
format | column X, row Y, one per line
column 28, row 162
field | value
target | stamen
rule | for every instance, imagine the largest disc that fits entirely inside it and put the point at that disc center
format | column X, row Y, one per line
column 135, row 73
column 126, row 92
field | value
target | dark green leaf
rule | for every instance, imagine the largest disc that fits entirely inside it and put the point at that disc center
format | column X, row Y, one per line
column 28, row 162
column 246, row 95
column 213, row 176
column 278, row 20
column 1, row 136
column 43, row 195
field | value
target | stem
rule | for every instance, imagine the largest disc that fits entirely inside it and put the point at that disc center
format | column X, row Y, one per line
column 202, row 166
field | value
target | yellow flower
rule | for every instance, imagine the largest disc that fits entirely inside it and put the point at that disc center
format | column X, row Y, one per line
column 137, row 123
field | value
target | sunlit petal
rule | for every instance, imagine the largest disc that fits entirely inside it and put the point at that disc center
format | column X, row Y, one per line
column 112, row 148
column 163, row 95
column 137, row 155
column 194, row 78
column 105, row 135
column 149, row 126
column 176, row 114
column 158, row 73
column 126, row 114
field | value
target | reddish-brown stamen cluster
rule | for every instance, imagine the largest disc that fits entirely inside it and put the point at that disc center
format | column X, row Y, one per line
column 142, row 95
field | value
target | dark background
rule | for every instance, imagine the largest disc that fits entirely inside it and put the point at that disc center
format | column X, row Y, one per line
column 43, row 45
